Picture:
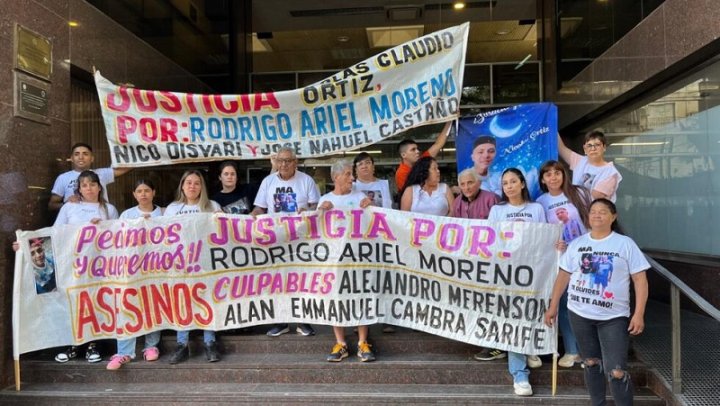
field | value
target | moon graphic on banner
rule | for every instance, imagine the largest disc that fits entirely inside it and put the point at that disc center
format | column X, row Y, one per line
column 500, row 131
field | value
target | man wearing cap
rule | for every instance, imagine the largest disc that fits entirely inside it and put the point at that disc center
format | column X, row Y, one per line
column 483, row 154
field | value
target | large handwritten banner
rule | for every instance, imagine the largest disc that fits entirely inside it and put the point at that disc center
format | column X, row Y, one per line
column 522, row 136
column 410, row 85
column 469, row 280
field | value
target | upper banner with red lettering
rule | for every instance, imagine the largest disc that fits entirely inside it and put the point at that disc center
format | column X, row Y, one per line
column 411, row 85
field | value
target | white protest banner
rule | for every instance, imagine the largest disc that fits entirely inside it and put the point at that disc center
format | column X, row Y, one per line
column 469, row 280
column 411, row 85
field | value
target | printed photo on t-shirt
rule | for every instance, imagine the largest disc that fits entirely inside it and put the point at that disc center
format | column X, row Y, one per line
column 285, row 202
column 376, row 197
column 588, row 179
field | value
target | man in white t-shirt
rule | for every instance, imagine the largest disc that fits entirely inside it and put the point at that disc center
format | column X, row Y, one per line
column 287, row 191
column 82, row 158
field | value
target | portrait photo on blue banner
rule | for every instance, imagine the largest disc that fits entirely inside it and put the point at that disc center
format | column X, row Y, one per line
column 522, row 136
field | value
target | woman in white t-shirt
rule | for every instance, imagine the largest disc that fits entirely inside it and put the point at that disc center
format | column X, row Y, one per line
column 343, row 197
column 424, row 193
column 568, row 205
column 92, row 208
column 515, row 205
column 598, row 176
column 144, row 193
column 378, row 190
column 596, row 271
column 192, row 197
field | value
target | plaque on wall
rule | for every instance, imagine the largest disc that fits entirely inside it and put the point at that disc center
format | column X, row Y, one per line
column 31, row 99
column 33, row 52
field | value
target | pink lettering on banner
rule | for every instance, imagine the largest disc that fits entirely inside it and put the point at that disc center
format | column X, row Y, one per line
column 291, row 224
column 482, row 237
column 339, row 231
column 267, row 283
column 380, row 226
column 452, row 237
column 421, row 230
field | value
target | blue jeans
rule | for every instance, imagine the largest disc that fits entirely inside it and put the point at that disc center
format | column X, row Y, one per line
column 127, row 347
column 517, row 366
column 569, row 340
column 606, row 342
column 184, row 336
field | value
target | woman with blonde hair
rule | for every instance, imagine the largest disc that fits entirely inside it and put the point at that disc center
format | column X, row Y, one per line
column 192, row 197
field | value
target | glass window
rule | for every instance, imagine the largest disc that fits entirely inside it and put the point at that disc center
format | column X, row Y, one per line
column 668, row 153
column 516, row 83
column 476, row 85
column 272, row 82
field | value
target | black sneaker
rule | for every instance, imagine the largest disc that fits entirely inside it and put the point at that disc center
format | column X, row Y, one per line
column 278, row 330
column 92, row 354
column 365, row 353
column 339, row 352
column 489, row 354
column 211, row 352
column 66, row 355
column 181, row 353
column 305, row 330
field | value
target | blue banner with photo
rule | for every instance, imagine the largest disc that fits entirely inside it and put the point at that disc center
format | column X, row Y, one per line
column 522, row 136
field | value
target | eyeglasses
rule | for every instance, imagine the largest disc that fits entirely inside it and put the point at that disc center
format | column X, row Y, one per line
column 364, row 163
column 593, row 146
column 285, row 161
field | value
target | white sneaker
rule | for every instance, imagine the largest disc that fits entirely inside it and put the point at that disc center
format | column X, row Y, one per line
column 568, row 360
column 523, row 388
column 534, row 361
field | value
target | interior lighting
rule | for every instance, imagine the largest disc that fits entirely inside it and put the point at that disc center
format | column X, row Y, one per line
column 637, row 144
column 459, row 5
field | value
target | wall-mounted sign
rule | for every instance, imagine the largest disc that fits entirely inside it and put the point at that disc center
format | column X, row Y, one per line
column 33, row 52
column 31, row 98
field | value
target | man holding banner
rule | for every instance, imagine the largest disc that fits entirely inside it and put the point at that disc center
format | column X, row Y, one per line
column 409, row 154
column 295, row 192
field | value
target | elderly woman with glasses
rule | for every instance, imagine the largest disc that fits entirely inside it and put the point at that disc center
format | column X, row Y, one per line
column 592, row 171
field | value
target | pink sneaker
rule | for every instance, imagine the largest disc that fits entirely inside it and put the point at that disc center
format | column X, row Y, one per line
column 117, row 361
column 151, row 354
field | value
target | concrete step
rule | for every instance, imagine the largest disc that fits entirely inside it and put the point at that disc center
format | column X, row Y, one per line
column 305, row 368
column 284, row 393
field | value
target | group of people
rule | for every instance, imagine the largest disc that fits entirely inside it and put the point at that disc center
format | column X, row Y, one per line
column 597, row 259
column 591, row 296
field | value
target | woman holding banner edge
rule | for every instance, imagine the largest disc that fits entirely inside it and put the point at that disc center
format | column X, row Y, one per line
column 568, row 205
column 343, row 197
column 516, row 205
column 192, row 197
column 91, row 208
column 602, row 322
column 144, row 194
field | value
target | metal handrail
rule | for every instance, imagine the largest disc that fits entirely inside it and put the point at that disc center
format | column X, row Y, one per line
column 677, row 286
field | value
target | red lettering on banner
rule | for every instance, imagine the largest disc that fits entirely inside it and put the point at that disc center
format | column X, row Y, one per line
column 197, row 292
column 231, row 108
column 123, row 105
column 134, row 311
column 86, row 315
column 145, row 100
column 171, row 104
column 126, row 125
